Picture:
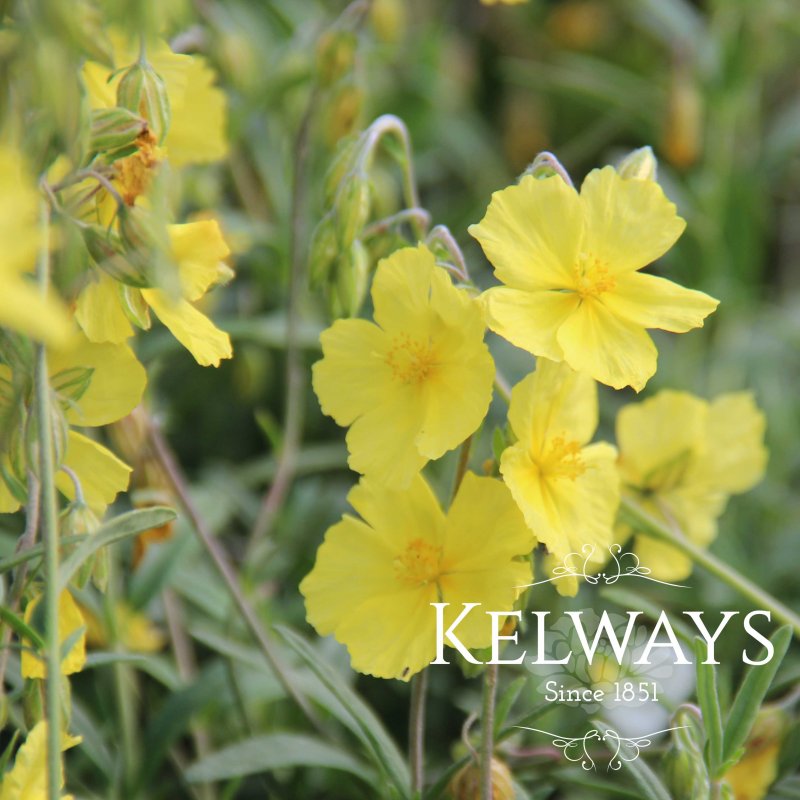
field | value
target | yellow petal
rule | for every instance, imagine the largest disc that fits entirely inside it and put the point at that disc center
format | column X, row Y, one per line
column 117, row 381
column 199, row 117
column 353, row 375
column 102, row 475
column 70, row 621
column 736, row 458
column 195, row 331
column 664, row 562
column 25, row 310
column 552, row 401
column 19, row 213
column 530, row 320
column 198, row 248
column 610, row 349
column 99, row 311
column 659, row 437
column 27, row 779
column 629, row 223
column 654, row 302
column 532, row 232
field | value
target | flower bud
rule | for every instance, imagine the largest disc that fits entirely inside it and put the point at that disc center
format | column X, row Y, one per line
column 80, row 520
column 466, row 783
column 545, row 165
column 32, row 701
column 106, row 250
column 639, row 165
column 347, row 150
column 389, row 20
column 134, row 306
column 102, row 566
column 353, row 206
column 684, row 766
column 71, row 384
column 336, row 51
column 342, row 112
column 352, row 278
column 142, row 91
column 112, row 128
column 324, row 249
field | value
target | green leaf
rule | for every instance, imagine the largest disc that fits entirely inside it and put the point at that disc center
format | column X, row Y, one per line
column 650, row 784
column 751, row 695
column 506, row 701
column 119, row 528
column 708, row 697
column 443, row 781
column 269, row 752
column 21, row 628
column 366, row 725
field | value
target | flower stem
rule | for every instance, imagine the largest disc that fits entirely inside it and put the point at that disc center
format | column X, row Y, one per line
column 487, row 730
column 49, row 529
column 416, row 730
column 644, row 522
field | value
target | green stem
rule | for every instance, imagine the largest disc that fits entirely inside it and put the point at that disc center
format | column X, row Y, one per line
column 639, row 519
column 416, row 730
column 49, row 530
column 487, row 730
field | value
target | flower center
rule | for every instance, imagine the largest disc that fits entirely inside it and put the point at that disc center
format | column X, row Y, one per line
column 419, row 564
column 134, row 174
column 591, row 276
column 410, row 360
column 563, row 459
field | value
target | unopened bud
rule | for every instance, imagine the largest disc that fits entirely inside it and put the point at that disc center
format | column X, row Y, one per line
column 134, row 306
column 336, row 51
column 352, row 278
column 106, row 250
column 684, row 766
column 343, row 112
column 143, row 91
column 80, row 520
column 112, row 128
column 389, row 20
column 545, row 165
column 102, row 565
column 466, row 785
column 639, row 165
column 71, row 384
column 32, row 701
column 342, row 163
column 323, row 252
column 353, row 206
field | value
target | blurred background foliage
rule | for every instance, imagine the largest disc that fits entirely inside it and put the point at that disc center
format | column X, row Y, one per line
column 713, row 86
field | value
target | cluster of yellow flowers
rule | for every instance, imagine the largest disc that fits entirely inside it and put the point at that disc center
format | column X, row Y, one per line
column 417, row 382
column 156, row 112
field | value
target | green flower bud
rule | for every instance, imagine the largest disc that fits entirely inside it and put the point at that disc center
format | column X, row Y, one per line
column 134, row 306
column 353, row 206
column 106, row 250
column 142, row 91
column 639, row 165
column 102, row 566
column 684, row 765
column 323, row 252
column 336, row 51
column 346, row 153
column 80, row 520
column 112, row 128
column 545, row 165
column 71, row 384
column 352, row 278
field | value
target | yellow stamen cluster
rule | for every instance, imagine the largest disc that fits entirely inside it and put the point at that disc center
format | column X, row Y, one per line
column 563, row 459
column 410, row 360
column 592, row 277
column 135, row 173
column 419, row 564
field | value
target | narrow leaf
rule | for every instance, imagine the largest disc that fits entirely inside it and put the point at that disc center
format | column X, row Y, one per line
column 506, row 701
column 751, row 694
column 708, row 697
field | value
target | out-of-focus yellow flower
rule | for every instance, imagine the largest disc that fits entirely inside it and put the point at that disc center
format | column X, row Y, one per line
column 198, row 249
column 503, row 2
column 27, row 779
column 112, row 382
column 570, row 264
column 134, row 631
column 70, row 620
column 198, row 109
column 751, row 778
column 567, row 489
column 375, row 577
column 681, row 457
column 466, row 784
column 22, row 307
column 417, row 383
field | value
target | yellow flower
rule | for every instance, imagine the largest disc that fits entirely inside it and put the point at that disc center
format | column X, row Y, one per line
column 198, row 109
column 751, row 778
column 27, row 779
column 375, row 577
column 567, row 489
column 70, row 621
column 570, row 265
column 134, row 631
column 198, row 249
column 112, row 383
column 22, row 307
column 681, row 457
column 417, row 383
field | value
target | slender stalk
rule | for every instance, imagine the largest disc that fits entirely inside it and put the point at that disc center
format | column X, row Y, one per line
column 416, row 730
column 644, row 522
column 487, row 730
column 222, row 564
column 48, row 518
column 461, row 466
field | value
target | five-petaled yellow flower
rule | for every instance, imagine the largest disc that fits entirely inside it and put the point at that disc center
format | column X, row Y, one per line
column 198, row 249
column 570, row 264
column 27, row 779
column 567, row 489
column 415, row 383
column 376, row 577
column 681, row 457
